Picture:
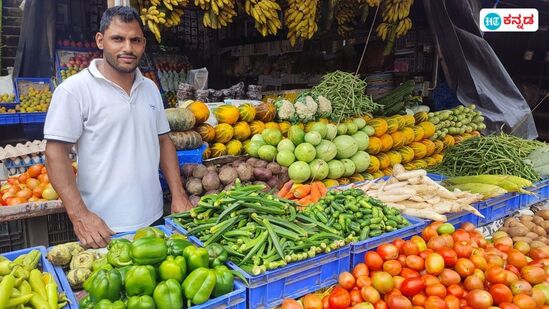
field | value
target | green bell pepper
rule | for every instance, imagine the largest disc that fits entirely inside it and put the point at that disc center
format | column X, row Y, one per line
column 106, row 284
column 119, row 252
column 167, row 295
column 140, row 280
column 107, row 304
column 102, row 261
column 173, row 268
column 149, row 231
column 177, row 245
column 86, row 303
column 217, row 254
column 141, row 302
column 89, row 282
column 149, row 250
column 199, row 285
column 196, row 258
column 123, row 271
column 224, row 282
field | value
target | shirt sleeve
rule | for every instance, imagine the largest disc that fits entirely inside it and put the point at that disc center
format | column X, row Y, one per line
column 64, row 120
column 162, row 125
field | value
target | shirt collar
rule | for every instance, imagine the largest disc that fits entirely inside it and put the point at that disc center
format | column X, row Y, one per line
column 96, row 73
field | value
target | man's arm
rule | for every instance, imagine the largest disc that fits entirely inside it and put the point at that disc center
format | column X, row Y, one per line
column 90, row 228
column 170, row 168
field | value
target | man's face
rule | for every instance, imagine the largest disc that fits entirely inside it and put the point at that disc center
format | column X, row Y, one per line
column 123, row 45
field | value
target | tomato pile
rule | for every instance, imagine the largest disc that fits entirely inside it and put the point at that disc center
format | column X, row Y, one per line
column 443, row 268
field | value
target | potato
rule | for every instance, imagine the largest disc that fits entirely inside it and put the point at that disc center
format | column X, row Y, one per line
column 517, row 231
column 274, row 167
column 522, row 238
column 262, row 174
column 194, row 199
column 539, row 230
column 538, row 220
column 187, row 170
column 528, row 224
column 194, row 186
column 200, row 171
column 543, row 213
column 514, row 223
column 211, row 181
column 526, row 218
column 245, row 172
column 212, row 168
column 545, row 225
column 260, row 163
column 537, row 244
column 532, row 235
column 543, row 239
column 228, row 175
column 507, row 222
column 504, row 229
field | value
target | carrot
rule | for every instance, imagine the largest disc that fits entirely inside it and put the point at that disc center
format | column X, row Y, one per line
column 305, row 201
column 315, row 192
column 289, row 195
column 302, row 191
column 323, row 189
column 285, row 189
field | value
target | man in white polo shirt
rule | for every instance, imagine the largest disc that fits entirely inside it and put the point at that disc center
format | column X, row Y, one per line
column 116, row 118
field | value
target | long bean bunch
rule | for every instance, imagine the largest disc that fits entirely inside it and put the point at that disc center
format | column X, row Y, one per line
column 346, row 91
column 493, row 154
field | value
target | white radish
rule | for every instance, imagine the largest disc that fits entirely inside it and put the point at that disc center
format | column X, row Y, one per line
column 411, row 174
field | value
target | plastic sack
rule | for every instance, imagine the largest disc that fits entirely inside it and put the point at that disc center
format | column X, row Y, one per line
column 198, row 78
column 6, row 85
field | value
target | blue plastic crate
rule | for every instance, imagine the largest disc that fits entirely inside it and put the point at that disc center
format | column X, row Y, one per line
column 32, row 118
column 184, row 156
column 497, row 207
column 457, row 219
column 44, row 265
column 540, row 192
column 294, row 280
column 34, row 80
column 175, row 226
column 435, row 177
column 360, row 248
column 9, row 119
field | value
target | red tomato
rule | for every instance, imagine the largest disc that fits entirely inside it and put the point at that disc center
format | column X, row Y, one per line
column 356, row 297
column 473, row 283
column 479, row 261
column 387, row 252
column 420, row 242
column 449, row 277
column 393, row 267
column 449, row 255
column 479, row 299
column 539, row 253
column 370, row 294
column 361, row 270
column 363, row 281
column 290, row 304
column 409, row 248
column 533, row 274
column 468, row 227
column 388, row 295
column 539, row 297
column 436, row 243
column 501, row 293
column 508, row 306
column 429, row 232
column 463, row 249
column 464, row 267
column 398, row 243
column 434, row 264
column 524, row 301
column 423, row 254
column 412, row 286
column 383, row 282
column 461, row 236
column 521, row 287
column 455, row 290
column 312, row 301
column 380, row 304
column 399, row 302
column 419, row 300
column 346, row 280
column 409, row 273
column 452, row 302
column 511, row 277
column 326, row 302
column 402, row 260
column 496, row 275
column 436, row 290
column 398, row 281
column 495, row 259
column 435, row 302
column 429, row 279
column 373, row 260
column 340, row 298
column 415, row 262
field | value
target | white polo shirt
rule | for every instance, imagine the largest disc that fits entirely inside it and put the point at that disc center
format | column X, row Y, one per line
column 117, row 144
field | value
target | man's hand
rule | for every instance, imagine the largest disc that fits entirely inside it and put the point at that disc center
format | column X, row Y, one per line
column 181, row 205
column 91, row 230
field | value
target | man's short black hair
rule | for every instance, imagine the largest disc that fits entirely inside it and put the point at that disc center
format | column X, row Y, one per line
column 126, row 14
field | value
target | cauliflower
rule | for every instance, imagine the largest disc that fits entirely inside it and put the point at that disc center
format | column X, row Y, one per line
column 285, row 110
column 305, row 111
column 324, row 107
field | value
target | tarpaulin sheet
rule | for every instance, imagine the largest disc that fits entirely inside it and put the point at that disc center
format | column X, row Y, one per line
column 474, row 70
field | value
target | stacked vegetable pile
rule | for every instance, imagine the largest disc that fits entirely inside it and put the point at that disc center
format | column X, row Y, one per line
column 461, row 122
column 526, row 230
column 396, row 101
column 417, row 195
column 79, row 263
column 24, row 285
column 488, row 185
column 181, row 122
column 325, row 151
column 308, row 106
column 495, row 154
column 202, row 180
column 303, row 194
column 442, row 268
column 259, row 231
column 402, row 139
column 155, row 271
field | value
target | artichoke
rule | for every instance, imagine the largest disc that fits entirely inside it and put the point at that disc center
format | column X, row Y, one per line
column 77, row 277
column 60, row 255
column 74, row 248
column 83, row 260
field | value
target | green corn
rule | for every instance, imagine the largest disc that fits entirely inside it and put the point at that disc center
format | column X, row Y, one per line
column 509, row 183
column 487, row 190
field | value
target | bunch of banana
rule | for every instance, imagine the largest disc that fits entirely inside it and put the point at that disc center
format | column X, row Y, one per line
column 301, row 19
column 396, row 10
column 169, row 4
column 174, row 18
column 383, row 30
column 265, row 14
column 153, row 18
column 373, row 3
column 403, row 26
column 219, row 13
column 162, row 13
column 346, row 12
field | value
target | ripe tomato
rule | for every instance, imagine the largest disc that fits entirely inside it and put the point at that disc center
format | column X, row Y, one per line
column 434, row 264
column 290, row 304
column 429, row 279
column 361, row 270
column 455, row 290
column 495, row 260
column 473, row 283
column 383, row 282
column 409, row 273
column 312, row 301
column 44, row 178
column 423, row 254
column 393, row 267
column 508, row 306
column 370, row 294
column 409, row 248
column 461, row 235
column 346, row 280
column 452, row 302
column 419, row 300
column 479, row 261
column 429, row 232
column 511, row 277
column 539, row 297
column 449, row 255
column 387, row 252
column 373, row 260
column 449, row 240
column 420, row 243
column 464, row 267
column 23, row 178
column 539, row 253
column 448, row 277
column 363, row 281
column 524, row 301
column 402, row 260
column 435, row 302
column 415, row 262
column 436, row 243
column 436, row 290
column 399, row 302
column 381, row 304
column 393, row 292
column 356, row 297
column 398, row 281
column 479, row 299
column 412, row 286
column 533, row 274
column 521, row 287
column 468, row 227
column 463, row 249
column 398, row 243
column 496, row 275
column 326, row 302
column 501, row 293
column 340, row 298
